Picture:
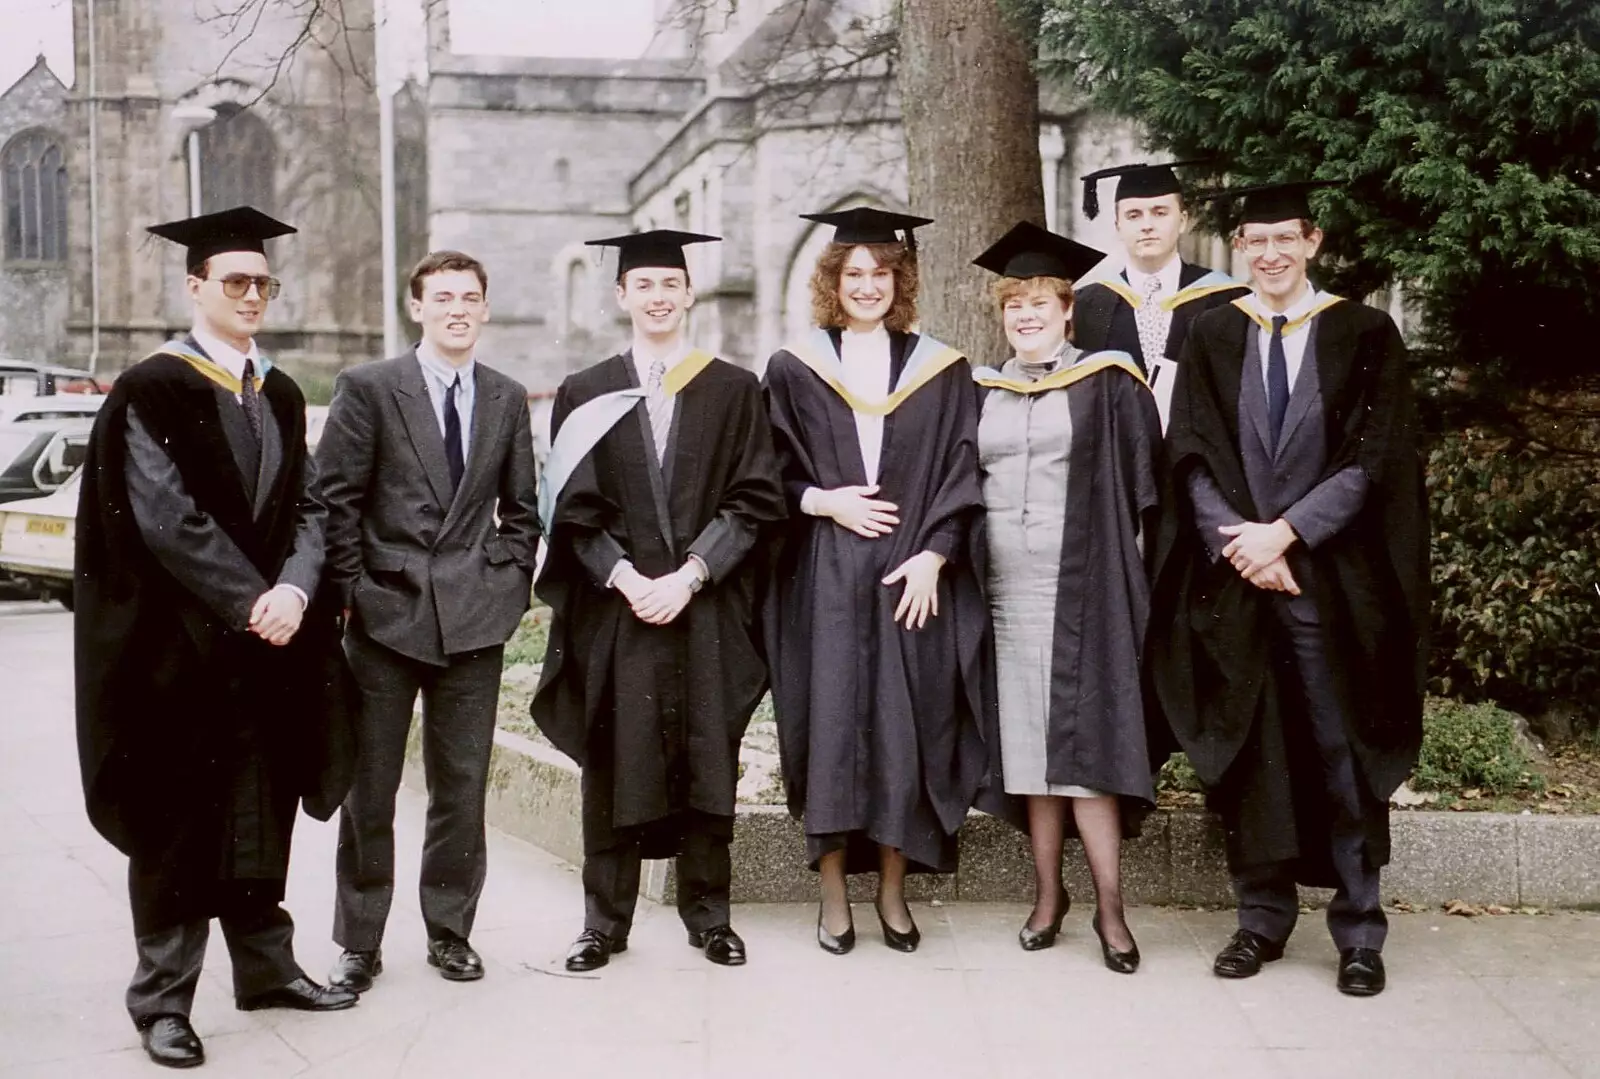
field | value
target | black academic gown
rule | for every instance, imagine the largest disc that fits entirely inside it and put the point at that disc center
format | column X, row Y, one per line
column 1102, row 319
column 879, row 726
column 197, row 740
column 1097, row 728
column 655, row 714
column 1211, row 658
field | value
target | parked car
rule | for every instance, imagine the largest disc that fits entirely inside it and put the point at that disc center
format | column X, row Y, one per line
column 55, row 406
column 21, row 378
column 38, row 456
column 36, row 541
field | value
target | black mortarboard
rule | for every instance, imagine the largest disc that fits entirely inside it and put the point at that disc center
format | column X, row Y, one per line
column 243, row 228
column 1030, row 251
column 660, row 249
column 866, row 225
column 1138, row 181
column 1268, row 203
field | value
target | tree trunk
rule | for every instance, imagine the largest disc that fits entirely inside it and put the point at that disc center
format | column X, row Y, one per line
column 970, row 102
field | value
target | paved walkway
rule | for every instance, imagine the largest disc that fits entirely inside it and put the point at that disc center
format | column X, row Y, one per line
column 1505, row 998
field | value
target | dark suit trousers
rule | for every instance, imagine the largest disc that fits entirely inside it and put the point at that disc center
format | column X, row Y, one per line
column 458, row 713
column 1269, row 903
column 705, row 873
column 260, row 936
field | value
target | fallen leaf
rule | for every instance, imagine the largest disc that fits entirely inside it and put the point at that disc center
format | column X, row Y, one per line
column 1497, row 909
column 1462, row 908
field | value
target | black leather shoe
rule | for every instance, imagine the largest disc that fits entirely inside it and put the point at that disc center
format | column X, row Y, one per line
column 1117, row 962
column 1244, row 955
column 1361, row 972
column 593, row 950
column 303, row 995
column 171, row 1042
column 893, row 938
column 456, row 960
column 721, row 944
column 355, row 970
column 837, row 945
column 1037, row 940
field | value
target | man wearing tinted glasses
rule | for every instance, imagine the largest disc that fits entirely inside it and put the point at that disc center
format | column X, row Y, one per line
column 209, row 676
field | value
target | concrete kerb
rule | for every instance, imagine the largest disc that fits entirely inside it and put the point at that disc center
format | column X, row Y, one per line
column 1481, row 858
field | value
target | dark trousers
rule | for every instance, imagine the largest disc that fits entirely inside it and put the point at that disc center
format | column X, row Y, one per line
column 1269, row 903
column 260, row 938
column 705, row 872
column 458, row 713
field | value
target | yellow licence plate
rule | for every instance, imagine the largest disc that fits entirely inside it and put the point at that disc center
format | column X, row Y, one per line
column 42, row 527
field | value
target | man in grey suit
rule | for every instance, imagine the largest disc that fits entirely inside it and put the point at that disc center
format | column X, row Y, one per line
column 428, row 478
column 1290, row 608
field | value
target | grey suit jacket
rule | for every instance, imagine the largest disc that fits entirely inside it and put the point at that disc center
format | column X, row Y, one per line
column 427, row 574
column 1283, row 480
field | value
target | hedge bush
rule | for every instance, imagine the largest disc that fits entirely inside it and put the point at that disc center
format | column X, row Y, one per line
column 1472, row 746
column 1516, row 558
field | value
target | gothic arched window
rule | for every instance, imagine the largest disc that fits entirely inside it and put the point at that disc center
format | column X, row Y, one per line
column 238, row 160
column 33, row 185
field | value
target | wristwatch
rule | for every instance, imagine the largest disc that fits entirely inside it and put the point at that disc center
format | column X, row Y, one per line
column 691, row 573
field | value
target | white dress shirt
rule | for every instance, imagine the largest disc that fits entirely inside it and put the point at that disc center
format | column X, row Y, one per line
column 865, row 359
column 227, row 357
column 1167, row 279
column 439, row 375
column 1294, row 341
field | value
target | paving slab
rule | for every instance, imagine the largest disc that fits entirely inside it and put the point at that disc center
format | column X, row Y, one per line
column 1515, row 996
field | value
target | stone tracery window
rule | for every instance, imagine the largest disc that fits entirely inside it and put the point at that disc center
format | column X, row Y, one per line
column 33, row 187
column 238, row 161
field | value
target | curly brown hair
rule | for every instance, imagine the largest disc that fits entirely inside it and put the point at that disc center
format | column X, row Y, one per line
column 1006, row 289
column 826, row 309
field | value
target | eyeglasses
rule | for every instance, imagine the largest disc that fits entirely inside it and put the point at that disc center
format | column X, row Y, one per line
column 1283, row 241
column 236, row 285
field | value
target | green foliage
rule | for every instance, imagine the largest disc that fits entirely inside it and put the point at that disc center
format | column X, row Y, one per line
column 1178, row 775
column 1515, row 566
column 528, row 643
column 1468, row 132
column 1472, row 747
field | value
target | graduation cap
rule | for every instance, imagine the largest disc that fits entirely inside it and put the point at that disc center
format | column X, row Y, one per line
column 660, row 249
column 1268, row 203
column 866, row 225
column 242, row 228
column 1138, row 181
column 1030, row 251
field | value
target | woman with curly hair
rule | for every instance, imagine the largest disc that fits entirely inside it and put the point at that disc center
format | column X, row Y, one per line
column 876, row 619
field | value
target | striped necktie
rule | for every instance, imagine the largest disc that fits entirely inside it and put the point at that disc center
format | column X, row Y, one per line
column 250, row 400
column 659, row 404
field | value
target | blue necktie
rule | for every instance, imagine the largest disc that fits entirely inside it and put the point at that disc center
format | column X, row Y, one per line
column 452, row 435
column 1277, row 380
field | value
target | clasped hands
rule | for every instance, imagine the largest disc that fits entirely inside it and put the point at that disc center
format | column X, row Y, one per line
column 276, row 616
column 655, row 600
column 1257, row 552
column 856, row 509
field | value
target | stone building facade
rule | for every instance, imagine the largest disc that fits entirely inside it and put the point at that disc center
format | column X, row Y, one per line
column 36, row 158
column 294, row 129
column 707, row 132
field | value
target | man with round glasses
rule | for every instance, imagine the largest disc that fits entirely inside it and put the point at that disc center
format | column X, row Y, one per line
column 211, row 690
column 1290, row 610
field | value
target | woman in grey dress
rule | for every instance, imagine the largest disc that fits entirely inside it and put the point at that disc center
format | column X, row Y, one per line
column 1068, row 446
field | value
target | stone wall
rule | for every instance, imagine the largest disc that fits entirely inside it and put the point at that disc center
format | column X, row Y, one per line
column 33, row 295
column 152, row 58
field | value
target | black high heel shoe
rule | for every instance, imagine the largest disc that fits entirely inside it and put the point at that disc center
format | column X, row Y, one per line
column 836, row 945
column 1037, row 940
column 1118, row 962
column 893, row 938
